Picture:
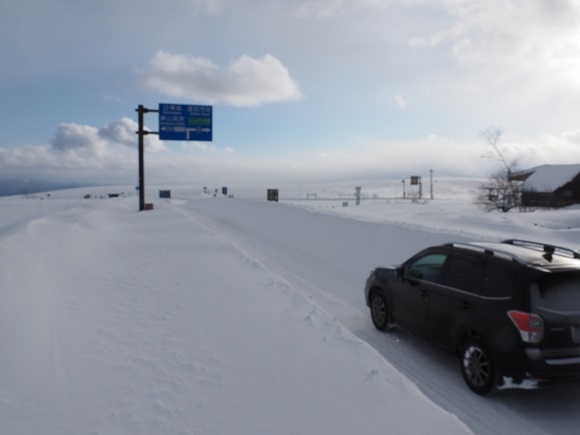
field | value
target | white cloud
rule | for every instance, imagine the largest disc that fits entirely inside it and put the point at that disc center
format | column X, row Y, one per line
column 572, row 136
column 401, row 102
column 320, row 9
column 90, row 141
column 439, row 37
column 82, row 152
column 205, row 147
column 209, row 6
column 123, row 132
column 563, row 148
column 519, row 34
column 75, row 137
column 512, row 61
column 554, row 149
column 246, row 81
column 33, row 158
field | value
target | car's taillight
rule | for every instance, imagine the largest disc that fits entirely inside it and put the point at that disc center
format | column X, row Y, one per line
column 531, row 326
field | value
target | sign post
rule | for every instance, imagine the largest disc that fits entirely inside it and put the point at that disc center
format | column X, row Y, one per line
column 142, row 133
column 176, row 122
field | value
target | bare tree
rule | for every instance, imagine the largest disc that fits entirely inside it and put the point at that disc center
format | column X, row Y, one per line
column 503, row 191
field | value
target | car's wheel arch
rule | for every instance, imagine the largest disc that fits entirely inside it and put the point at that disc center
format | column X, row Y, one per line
column 465, row 337
column 383, row 291
column 471, row 335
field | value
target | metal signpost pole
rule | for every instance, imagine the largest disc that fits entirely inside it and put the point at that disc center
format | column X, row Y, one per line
column 142, row 133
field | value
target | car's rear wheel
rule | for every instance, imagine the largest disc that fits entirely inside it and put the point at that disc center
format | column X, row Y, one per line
column 379, row 311
column 478, row 367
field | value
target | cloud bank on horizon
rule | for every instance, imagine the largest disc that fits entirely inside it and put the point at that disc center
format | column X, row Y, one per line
column 302, row 90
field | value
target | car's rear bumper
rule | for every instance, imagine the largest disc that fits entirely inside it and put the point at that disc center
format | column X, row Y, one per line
column 534, row 366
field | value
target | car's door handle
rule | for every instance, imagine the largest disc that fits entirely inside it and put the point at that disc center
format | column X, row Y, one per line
column 423, row 293
column 466, row 305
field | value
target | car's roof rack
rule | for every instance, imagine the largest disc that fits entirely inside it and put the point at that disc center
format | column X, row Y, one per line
column 547, row 249
column 489, row 251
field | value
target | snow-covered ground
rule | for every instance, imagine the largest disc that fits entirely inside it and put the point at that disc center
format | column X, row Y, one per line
column 234, row 315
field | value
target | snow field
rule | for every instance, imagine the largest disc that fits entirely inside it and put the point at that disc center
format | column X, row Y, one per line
column 119, row 322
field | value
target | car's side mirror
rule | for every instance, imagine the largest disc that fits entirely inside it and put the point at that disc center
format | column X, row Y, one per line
column 414, row 275
column 400, row 271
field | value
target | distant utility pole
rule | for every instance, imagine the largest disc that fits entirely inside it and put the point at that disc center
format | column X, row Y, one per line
column 431, row 179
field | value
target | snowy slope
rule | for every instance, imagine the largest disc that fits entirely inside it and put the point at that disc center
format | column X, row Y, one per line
column 236, row 315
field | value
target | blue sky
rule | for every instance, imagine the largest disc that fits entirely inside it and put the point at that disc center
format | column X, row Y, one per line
column 302, row 90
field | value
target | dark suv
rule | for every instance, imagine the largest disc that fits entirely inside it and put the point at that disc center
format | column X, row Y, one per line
column 510, row 311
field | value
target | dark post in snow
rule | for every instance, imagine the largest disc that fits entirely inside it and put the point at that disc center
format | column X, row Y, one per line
column 431, row 178
column 142, row 133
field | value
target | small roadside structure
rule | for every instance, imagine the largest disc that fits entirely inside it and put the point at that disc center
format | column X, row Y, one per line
column 273, row 195
column 550, row 186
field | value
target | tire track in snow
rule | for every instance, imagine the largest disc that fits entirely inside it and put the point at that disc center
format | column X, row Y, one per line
column 282, row 275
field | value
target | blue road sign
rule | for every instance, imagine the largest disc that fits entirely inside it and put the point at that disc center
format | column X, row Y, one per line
column 185, row 122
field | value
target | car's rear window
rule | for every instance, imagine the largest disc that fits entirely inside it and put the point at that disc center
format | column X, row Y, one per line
column 559, row 292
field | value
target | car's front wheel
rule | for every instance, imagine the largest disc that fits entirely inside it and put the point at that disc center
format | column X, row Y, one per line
column 478, row 367
column 379, row 311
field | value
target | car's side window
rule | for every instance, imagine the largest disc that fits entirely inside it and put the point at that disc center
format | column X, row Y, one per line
column 464, row 274
column 426, row 268
column 498, row 281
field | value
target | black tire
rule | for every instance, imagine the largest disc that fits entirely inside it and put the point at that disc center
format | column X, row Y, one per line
column 379, row 311
column 478, row 367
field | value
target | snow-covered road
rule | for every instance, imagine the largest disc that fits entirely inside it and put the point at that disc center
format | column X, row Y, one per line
column 329, row 258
